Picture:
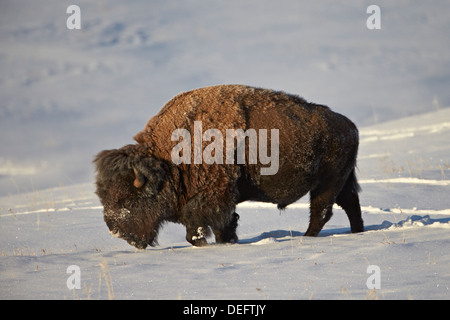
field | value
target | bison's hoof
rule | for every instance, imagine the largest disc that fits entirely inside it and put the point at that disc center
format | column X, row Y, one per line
column 199, row 242
column 199, row 239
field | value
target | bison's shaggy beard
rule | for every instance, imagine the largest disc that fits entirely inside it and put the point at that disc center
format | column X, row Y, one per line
column 131, row 188
column 118, row 221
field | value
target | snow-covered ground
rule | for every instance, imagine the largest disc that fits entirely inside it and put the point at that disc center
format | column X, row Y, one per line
column 67, row 94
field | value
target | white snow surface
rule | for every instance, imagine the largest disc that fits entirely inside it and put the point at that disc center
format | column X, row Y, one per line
column 67, row 94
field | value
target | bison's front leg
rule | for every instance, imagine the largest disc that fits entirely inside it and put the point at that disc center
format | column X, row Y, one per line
column 228, row 233
column 197, row 236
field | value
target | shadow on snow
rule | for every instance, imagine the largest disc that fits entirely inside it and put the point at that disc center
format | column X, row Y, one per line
column 286, row 235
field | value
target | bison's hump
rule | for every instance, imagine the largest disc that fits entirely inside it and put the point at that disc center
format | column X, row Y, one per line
column 225, row 107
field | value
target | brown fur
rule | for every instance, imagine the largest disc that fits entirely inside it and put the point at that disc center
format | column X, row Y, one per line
column 140, row 187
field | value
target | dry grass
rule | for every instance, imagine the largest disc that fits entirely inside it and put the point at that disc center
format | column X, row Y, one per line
column 105, row 273
column 414, row 168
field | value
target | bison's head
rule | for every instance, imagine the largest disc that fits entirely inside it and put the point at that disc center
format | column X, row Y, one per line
column 129, row 185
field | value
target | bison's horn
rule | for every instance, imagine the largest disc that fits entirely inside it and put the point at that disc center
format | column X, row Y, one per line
column 140, row 179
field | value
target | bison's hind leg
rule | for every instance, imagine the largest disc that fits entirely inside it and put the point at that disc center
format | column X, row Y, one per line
column 325, row 195
column 349, row 201
column 321, row 204
column 322, row 198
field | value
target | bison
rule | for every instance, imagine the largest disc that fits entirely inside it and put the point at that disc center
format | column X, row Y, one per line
column 167, row 176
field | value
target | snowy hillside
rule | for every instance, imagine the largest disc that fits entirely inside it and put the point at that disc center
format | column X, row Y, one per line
column 405, row 175
column 66, row 94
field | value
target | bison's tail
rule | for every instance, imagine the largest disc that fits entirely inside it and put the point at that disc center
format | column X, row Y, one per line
column 352, row 182
column 349, row 192
column 349, row 201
